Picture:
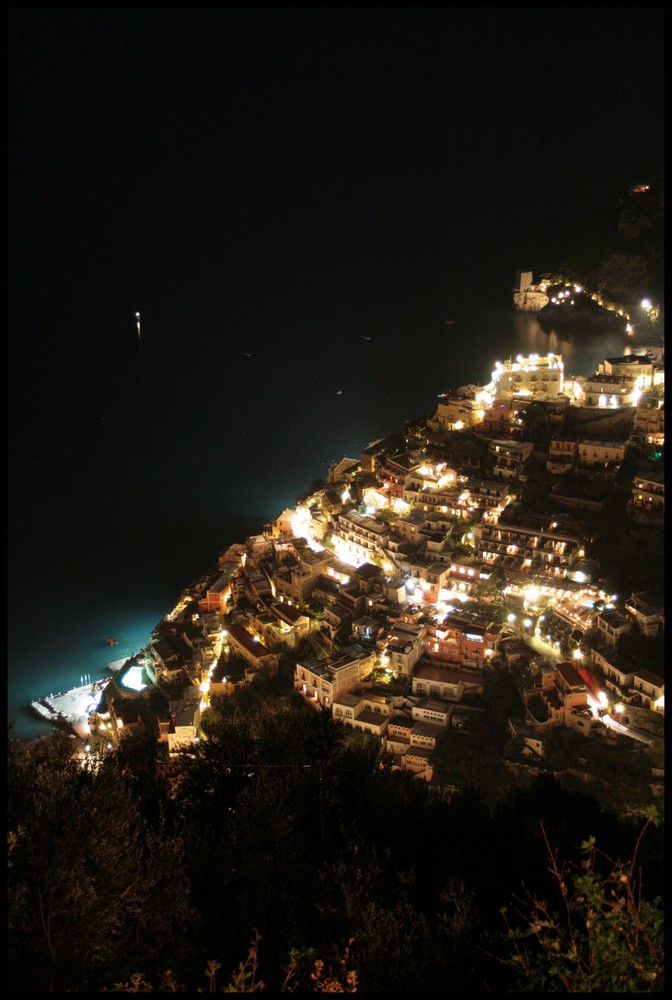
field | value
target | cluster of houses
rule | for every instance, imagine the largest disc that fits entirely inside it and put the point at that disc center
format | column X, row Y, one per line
column 377, row 583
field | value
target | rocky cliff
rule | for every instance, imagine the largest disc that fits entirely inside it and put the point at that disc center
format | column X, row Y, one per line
column 532, row 299
column 621, row 264
column 578, row 311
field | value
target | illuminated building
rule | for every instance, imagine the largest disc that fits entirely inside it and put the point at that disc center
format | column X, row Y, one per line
column 533, row 544
column 648, row 610
column 534, row 376
column 649, row 423
column 322, row 681
column 647, row 502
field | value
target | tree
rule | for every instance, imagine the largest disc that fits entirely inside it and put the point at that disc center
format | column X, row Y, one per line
column 634, row 564
column 93, row 888
column 561, row 748
column 600, row 934
column 536, row 423
column 642, row 651
column 492, row 587
column 502, row 695
column 386, row 515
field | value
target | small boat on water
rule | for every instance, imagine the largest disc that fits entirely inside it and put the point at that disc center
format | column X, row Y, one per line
column 110, row 641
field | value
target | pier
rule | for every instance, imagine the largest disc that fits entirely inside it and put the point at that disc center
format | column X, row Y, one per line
column 71, row 709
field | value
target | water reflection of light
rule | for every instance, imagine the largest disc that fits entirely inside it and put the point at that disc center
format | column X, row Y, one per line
column 580, row 356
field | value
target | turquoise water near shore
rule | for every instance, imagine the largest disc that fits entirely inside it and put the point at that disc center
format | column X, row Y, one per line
column 56, row 660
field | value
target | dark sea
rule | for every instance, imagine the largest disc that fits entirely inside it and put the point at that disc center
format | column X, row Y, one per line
column 134, row 460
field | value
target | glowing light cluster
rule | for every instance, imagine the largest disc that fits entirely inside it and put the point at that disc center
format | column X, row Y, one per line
column 344, row 552
column 446, row 596
column 300, row 522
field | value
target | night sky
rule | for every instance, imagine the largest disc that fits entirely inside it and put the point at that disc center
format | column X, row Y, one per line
column 255, row 163
column 298, row 177
column 276, row 190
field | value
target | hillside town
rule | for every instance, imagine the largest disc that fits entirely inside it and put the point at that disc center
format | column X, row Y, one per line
column 463, row 546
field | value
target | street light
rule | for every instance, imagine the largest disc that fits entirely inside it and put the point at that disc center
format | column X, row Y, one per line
column 650, row 319
column 652, row 312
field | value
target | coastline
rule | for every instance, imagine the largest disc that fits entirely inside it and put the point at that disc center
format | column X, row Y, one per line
column 530, row 335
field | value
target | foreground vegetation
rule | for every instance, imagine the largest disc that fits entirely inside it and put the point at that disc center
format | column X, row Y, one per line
column 281, row 856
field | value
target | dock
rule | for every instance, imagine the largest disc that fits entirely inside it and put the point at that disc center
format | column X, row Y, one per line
column 71, row 709
column 116, row 665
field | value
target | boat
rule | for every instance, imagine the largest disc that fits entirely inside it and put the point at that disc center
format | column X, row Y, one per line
column 110, row 641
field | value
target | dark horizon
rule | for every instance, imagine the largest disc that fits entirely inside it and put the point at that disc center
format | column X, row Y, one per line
column 261, row 183
column 253, row 164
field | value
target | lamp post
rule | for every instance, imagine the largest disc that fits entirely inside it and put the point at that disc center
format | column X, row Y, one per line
column 650, row 320
column 652, row 312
